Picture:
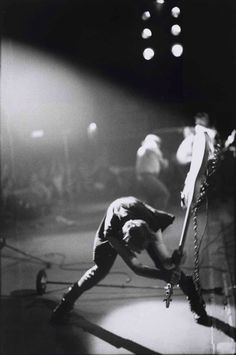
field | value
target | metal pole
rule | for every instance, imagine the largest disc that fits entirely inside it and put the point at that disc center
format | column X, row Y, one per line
column 2, row 244
column 0, row 272
column 67, row 164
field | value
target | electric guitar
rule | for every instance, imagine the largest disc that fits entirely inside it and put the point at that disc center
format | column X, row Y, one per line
column 192, row 191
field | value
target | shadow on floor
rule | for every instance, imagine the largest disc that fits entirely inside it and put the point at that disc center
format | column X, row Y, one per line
column 25, row 328
column 25, row 317
column 224, row 328
column 80, row 322
column 109, row 337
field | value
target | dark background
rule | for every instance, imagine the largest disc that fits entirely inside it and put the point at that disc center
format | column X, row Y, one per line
column 99, row 45
column 104, row 37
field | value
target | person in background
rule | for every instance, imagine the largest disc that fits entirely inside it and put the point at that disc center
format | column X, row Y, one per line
column 129, row 227
column 202, row 124
column 184, row 151
column 150, row 162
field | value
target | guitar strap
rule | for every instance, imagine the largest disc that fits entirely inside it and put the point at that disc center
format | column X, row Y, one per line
column 212, row 166
column 196, row 276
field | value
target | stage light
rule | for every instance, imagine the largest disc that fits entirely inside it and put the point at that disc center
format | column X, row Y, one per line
column 175, row 11
column 92, row 131
column 160, row 1
column 146, row 15
column 92, row 127
column 148, row 53
column 177, row 50
column 37, row 134
column 146, row 33
column 175, row 30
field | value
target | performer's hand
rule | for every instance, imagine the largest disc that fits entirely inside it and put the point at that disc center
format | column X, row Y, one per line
column 175, row 276
column 183, row 200
column 178, row 257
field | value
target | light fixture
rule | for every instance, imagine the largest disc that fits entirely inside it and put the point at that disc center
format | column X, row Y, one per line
column 175, row 11
column 177, row 50
column 175, row 30
column 148, row 53
column 146, row 15
column 146, row 33
column 92, row 130
column 92, row 126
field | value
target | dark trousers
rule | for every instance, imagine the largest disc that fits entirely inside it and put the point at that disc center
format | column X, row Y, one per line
column 104, row 257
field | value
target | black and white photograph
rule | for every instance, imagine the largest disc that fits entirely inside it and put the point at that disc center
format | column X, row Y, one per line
column 117, row 177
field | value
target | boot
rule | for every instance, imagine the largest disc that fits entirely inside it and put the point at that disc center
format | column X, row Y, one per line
column 66, row 305
column 196, row 301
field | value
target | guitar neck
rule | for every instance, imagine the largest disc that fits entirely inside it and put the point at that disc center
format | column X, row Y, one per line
column 194, row 177
column 184, row 229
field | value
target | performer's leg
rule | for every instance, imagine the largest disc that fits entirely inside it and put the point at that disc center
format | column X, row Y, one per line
column 196, row 301
column 104, row 257
column 155, row 258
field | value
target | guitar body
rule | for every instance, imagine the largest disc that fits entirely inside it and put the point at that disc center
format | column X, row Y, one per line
column 194, row 179
column 192, row 190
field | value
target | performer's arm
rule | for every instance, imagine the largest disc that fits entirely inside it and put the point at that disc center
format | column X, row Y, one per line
column 169, row 261
column 132, row 261
column 162, row 251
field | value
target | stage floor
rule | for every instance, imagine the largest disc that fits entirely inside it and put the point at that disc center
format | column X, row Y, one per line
column 125, row 314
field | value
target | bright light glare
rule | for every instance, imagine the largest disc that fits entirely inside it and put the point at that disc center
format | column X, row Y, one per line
column 177, row 50
column 121, row 320
column 92, row 131
column 160, row 1
column 175, row 30
column 148, row 53
column 146, row 33
column 37, row 134
column 38, row 80
column 146, row 15
column 92, row 127
column 175, row 11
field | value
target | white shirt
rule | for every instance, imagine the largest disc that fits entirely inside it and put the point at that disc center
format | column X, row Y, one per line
column 211, row 134
column 184, row 152
column 150, row 159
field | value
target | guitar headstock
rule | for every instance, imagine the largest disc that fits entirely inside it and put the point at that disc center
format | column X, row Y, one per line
column 168, row 294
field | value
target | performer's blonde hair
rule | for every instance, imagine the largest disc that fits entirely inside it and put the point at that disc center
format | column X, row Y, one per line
column 151, row 138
